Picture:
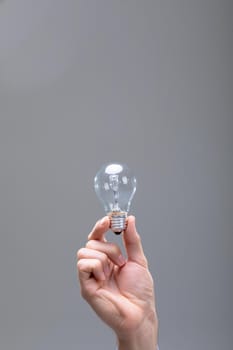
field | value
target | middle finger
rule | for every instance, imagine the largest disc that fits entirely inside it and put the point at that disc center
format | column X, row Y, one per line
column 110, row 249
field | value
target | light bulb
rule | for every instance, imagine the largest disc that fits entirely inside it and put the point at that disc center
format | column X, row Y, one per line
column 115, row 186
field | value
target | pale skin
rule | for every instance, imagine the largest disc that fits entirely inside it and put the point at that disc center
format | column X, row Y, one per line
column 119, row 289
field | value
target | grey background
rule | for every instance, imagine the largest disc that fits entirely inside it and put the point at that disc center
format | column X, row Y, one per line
column 148, row 83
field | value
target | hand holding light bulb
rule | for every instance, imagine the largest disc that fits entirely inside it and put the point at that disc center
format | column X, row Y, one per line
column 119, row 289
column 115, row 186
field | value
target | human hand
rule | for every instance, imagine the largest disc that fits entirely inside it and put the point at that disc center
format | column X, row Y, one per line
column 119, row 290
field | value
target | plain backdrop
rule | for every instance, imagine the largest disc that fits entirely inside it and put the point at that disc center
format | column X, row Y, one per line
column 148, row 83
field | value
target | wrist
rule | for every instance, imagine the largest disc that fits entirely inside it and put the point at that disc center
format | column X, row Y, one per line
column 144, row 337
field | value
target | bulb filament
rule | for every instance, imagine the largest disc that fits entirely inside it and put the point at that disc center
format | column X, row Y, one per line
column 114, row 184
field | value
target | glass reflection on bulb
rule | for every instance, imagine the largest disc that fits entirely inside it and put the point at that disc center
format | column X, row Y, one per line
column 115, row 186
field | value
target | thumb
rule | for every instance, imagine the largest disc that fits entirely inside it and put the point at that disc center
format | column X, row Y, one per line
column 133, row 243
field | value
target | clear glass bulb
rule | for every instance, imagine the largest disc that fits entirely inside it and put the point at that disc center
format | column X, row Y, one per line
column 115, row 186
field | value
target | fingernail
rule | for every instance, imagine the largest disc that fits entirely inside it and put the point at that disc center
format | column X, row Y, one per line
column 121, row 260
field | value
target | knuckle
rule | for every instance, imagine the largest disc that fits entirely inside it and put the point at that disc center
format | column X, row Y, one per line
column 80, row 253
column 114, row 249
column 80, row 265
column 90, row 243
column 97, row 264
column 104, row 258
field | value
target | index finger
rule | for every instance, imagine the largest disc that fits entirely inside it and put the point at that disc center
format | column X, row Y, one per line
column 99, row 230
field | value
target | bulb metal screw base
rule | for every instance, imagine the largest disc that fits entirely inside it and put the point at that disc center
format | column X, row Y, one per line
column 118, row 221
